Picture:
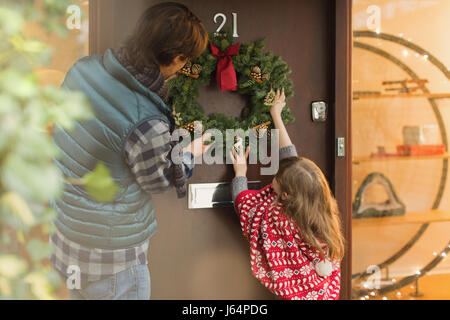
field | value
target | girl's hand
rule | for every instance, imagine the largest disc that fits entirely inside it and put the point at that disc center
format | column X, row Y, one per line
column 279, row 103
column 240, row 161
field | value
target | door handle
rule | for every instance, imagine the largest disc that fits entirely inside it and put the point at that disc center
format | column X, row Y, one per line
column 319, row 111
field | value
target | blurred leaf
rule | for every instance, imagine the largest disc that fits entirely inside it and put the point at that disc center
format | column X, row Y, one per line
column 17, row 84
column 33, row 46
column 20, row 236
column 64, row 106
column 17, row 205
column 48, row 228
column 43, row 213
column 53, row 277
column 10, row 21
column 40, row 285
column 34, row 146
column 11, row 266
column 7, row 104
column 10, row 122
column 38, row 249
column 5, row 239
column 5, row 287
column 28, row 177
column 99, row 184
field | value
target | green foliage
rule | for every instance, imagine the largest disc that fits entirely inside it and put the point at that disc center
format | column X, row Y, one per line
column 28, row 177
column 183, row 91
column 99, row 184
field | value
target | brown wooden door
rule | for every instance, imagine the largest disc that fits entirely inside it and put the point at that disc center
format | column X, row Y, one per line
column 201, row 254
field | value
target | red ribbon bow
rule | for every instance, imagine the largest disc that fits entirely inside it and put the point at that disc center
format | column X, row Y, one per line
column 225, row 73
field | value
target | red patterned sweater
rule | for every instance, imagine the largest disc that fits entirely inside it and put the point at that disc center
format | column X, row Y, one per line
column 279, row 257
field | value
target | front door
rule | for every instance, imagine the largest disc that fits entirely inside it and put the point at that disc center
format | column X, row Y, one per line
column 201, row 254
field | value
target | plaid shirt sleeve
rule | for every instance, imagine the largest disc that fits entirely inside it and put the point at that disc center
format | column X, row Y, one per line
column 147, row 153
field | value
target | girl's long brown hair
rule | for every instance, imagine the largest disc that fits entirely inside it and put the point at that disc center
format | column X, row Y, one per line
column 311, row 205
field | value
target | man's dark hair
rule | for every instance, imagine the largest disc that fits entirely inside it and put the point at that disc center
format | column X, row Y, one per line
column 164, row 31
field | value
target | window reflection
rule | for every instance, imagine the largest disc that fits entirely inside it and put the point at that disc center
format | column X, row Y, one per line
column 68, row 47
column 400, row 120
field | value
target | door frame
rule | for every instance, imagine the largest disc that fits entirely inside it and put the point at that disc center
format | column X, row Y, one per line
column 341, row 183
column 340, row 110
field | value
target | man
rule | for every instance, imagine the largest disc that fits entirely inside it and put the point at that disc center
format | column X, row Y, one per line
column 106, row 244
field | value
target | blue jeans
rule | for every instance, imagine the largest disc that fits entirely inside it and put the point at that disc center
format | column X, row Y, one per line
column 130, row 284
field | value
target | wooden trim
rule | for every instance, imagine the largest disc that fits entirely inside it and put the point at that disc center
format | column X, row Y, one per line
column 402, row 95
column 101, row 25
column 430, row 216
column 341, row 89
column 93, row 26
column 358, row 160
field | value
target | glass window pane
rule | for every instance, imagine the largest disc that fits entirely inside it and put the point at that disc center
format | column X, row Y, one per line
column 400, row 127
column 67, row 47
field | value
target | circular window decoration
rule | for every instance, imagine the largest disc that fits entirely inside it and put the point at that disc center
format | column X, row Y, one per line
column 242, row 68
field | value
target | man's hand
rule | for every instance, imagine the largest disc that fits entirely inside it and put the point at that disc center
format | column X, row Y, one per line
column 240, row 161
column 278, row 104
column 198, row 147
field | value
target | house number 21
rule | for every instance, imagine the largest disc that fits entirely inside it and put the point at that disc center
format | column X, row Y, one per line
column 224, row 20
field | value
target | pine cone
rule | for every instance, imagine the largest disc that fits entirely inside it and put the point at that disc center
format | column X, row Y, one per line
column 262, row 129
column 270, row 98
column 196, row 69
column 189, row 127
column 194, row 126
column 185, row 71
column 256, row 69
column 266, row 76
column 256, row 76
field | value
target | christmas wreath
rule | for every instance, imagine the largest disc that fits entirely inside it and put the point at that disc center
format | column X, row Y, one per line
column 243, row 68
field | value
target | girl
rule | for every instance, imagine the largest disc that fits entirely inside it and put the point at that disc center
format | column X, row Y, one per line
column 293, row 224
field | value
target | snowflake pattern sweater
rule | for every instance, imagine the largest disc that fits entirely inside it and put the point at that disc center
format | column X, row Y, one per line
column 279, row 257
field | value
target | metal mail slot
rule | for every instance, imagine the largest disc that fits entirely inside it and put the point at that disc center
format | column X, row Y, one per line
column 213, row 195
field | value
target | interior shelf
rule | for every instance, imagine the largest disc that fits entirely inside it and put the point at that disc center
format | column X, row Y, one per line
column 407, row 218
column 402, row 95
column 357, row 160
